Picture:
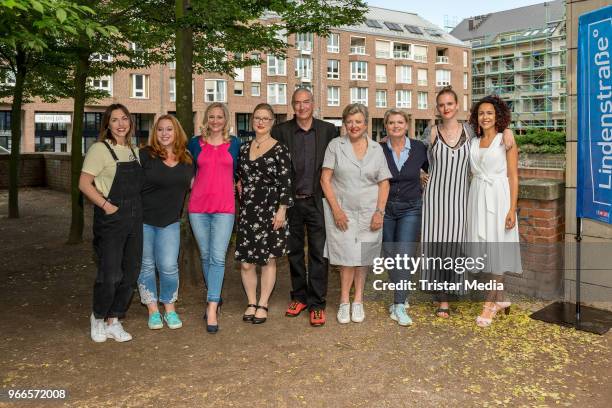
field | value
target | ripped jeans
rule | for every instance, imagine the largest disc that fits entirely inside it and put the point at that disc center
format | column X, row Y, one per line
column 160, row 251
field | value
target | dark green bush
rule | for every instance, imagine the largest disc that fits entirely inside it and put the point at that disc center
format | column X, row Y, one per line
column 541, row 141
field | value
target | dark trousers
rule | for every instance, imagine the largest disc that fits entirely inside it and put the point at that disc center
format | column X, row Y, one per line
column 118, row 246
column 309, row 286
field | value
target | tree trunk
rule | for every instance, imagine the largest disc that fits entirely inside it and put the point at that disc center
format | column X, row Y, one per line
column 76, row 156
column 184, row 113
column 15, row 160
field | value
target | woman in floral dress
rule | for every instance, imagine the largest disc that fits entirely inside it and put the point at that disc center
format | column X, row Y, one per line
column 264, row 173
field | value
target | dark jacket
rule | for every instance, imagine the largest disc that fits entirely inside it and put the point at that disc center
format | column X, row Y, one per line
column 324, row 133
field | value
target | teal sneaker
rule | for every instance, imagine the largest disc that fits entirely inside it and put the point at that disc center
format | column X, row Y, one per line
column 173, row 321
column 155, row 321
column 400, row 316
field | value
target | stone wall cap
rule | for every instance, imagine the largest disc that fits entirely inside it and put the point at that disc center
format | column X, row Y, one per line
column 541, row 189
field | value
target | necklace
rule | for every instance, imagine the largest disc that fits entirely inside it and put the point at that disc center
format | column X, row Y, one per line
column 451, row 141
column 259, row 143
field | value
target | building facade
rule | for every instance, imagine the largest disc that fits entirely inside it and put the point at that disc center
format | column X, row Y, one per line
column 393, row 60
column 520, row 55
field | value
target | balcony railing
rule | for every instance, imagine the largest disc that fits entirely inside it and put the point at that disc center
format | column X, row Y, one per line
column 441, row 59
column 305, row 46
column 358, row 49
column 400, row 54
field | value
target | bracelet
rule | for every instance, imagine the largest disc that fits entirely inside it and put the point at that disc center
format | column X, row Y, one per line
column 381, row 212
column 104, row 203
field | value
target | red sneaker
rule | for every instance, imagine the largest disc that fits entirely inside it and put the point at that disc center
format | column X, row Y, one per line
column 317, row 317
column 295, row 308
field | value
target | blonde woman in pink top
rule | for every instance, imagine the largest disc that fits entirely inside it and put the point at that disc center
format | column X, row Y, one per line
column 212, row 203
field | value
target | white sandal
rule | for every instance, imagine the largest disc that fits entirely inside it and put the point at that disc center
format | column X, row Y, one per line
column 497, row 306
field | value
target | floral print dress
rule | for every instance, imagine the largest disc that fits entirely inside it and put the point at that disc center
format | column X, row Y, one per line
column 266, row 184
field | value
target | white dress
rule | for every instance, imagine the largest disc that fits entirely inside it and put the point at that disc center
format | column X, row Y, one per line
column 488, row 205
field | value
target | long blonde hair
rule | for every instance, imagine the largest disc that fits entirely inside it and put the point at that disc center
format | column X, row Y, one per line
column 206, row 131
column 180, row 141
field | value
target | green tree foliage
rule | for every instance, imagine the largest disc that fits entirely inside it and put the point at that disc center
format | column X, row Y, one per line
column 541, row 141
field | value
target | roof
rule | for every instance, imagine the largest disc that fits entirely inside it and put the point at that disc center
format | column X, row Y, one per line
column 403, row 25
column 514, row 20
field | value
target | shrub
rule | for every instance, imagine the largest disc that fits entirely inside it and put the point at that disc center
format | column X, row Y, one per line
column 541, row 141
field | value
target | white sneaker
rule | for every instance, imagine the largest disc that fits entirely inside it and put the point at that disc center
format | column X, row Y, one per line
column 115, row 331
column 98, row 332
column 357, row 312
column 344, row 315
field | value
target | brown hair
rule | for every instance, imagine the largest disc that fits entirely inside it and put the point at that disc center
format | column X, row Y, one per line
column 205, row 131
column 502, row 114
column 263, row 106
column 180, row 141
column 447, row 90
column 105, row 133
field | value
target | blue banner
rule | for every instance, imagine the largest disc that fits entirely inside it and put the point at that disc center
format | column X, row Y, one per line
column 594, row 75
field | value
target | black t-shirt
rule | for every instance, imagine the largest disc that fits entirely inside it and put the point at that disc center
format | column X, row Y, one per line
column 164, row 189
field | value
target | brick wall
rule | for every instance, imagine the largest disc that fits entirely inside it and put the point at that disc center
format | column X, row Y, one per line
column 57, row 170
column 31, row 174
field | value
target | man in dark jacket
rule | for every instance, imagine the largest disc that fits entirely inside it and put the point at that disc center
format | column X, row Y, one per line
column 307, row 139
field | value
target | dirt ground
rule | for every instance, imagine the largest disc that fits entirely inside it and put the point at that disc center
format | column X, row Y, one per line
column 44, row 343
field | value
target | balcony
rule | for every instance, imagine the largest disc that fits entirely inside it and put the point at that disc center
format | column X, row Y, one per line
column 358, row 49
column 304, row 46
column 441, row 59
column 401, row 54
column 303, row 75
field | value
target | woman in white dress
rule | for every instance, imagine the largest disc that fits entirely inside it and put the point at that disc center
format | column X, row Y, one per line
column 492, row 200
column 355, row 181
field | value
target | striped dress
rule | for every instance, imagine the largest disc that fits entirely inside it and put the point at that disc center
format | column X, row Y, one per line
column 443, row 230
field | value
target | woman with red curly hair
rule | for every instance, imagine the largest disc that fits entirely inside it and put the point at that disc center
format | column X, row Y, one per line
column 492, row 201
column 168, row 170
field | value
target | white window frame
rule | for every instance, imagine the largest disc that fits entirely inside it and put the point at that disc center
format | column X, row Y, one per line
column 10, row 80
column 101, row 57
column 465, row 80
column 381, row 102
column 333, row 43
column 255, row 86
column 422, row 100
column 172, row 65
column 239, row 86
column 109, row 88
column 275, row 97
column 239, row 74
column 403, row 74
column 137, row 93
column 333, row 96
column 303, row 69
column 217, row 92
column 417, row 55
column 332, row 74
column 381, row 73
column 359, row 95
column 256, row 73
column 276, row 66
column 304, row 42
column 402, row 54
column 172, row 86
column 465, row 103
column 420, row 80
column 465, row 59
column 359, row 70
column 441, row 77
column 403, row 98
column 358, row 49
column 381, row 52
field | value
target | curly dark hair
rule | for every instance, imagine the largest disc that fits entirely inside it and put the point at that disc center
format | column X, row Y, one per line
column 502, row 114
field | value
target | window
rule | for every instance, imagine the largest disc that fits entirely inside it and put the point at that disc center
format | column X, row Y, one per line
column 422, row 100
column 562, row 103
column 403, row 74
column 359, row 95
column 277, row 94
column 256, row 74
column 465, row 59
column 172, row 89
column 172, row 65
column 381, row 98
column 303, row 69
column 373, row 23
column 9, row 78
column 303, row 42
column 138, row 51
column 422, row 77
column 255, row 56
column 443, row 77
column 442, row 56
column 358, row 45
column 239, row 74
column 401, row 51
column 383, row 49
column 413, row 29
column 101, row 57
column 333, row 43
column 465, row 80
column 403, row 98
column 104, row 83
column 359, row 70
column 333, row 96
column 139, row 85
column 255, row 89
column 215, row 90
column 381, row 73
column 420, row 53
column 394, row 26
column 277, row 65
column 465, row 103
column 333, row 69
column 239, row 88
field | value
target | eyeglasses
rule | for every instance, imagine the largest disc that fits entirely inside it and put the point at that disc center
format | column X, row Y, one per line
column 263, row 120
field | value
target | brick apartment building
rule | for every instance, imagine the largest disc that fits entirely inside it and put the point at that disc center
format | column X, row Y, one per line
column 393, row 60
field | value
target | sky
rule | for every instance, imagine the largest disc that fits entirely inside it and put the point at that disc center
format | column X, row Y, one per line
column 434, row 10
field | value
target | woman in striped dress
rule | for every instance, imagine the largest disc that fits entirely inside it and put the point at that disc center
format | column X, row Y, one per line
column 445, row 197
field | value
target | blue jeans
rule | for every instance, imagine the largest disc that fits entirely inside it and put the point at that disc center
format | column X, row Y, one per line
column 212, row 232
column 401, row 229
column 160, row 249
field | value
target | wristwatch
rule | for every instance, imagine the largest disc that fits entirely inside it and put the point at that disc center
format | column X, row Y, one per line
column 381, row 212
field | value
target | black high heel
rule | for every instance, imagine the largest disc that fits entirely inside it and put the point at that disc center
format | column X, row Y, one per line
column 260, row 320
column 212, row 328
column 249, row 317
